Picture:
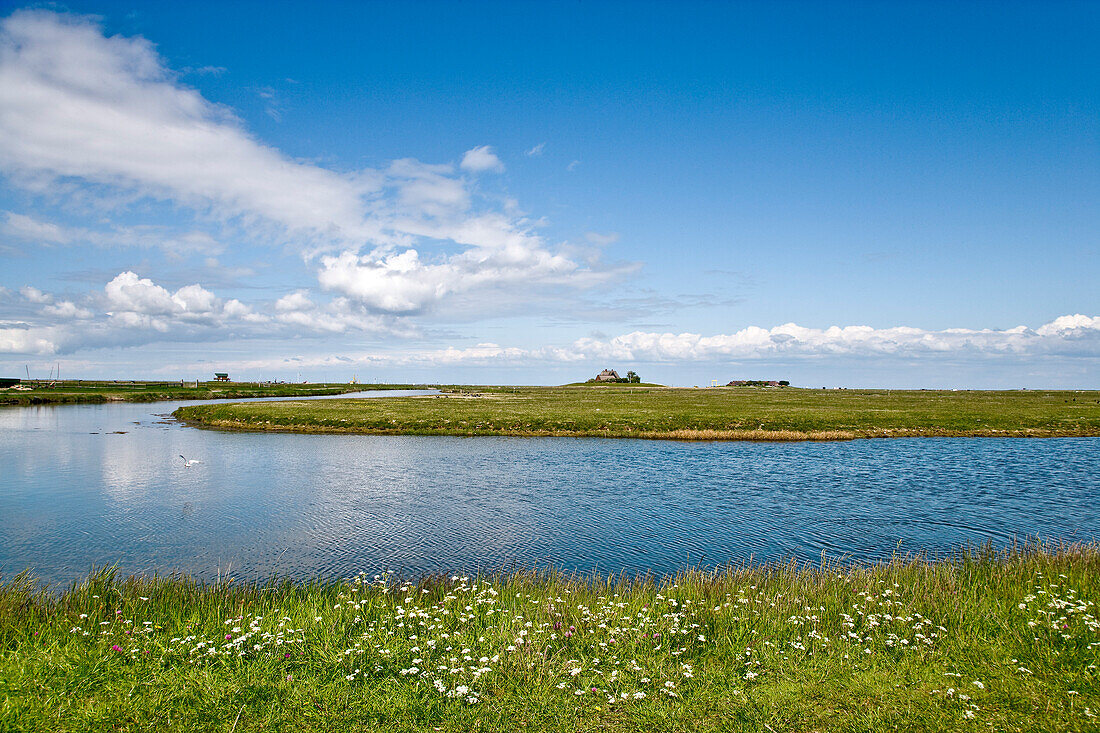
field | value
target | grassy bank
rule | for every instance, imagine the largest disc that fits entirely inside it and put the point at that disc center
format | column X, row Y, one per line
column 986, row 642
column 83, row 391
column 685, row 414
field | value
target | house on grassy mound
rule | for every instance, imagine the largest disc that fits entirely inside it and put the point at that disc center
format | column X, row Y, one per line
column 608, row 375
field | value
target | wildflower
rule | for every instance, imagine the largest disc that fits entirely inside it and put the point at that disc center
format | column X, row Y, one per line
column 116, row 648
column 979, row 685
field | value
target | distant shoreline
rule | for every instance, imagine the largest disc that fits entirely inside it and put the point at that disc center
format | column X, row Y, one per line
column 78, row 392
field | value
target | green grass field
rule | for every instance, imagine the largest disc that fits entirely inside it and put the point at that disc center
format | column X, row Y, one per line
column 659, row 412
column 984, row 642
column 84, row 391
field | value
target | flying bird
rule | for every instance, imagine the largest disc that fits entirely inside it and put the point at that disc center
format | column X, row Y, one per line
column 189, row 463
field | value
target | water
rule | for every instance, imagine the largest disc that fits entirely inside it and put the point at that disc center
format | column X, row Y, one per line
column 98, row 484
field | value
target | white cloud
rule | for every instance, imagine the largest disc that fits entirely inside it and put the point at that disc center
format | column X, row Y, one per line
column 296, row 301
column 404, row 284
column 1069, row 325
column 34, row 295
column 128, row 293
column 74, row 103
column 535, row 151
column 27, row 228
column 480, row 159
column 66, row 310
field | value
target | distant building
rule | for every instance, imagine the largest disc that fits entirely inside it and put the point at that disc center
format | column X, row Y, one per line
column 221, row 377
column 759, row 383
column 608, row 375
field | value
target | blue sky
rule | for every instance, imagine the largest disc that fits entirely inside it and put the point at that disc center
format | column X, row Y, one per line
column 858, row 194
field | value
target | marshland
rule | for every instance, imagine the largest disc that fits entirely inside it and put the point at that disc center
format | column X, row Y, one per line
column 653, row 411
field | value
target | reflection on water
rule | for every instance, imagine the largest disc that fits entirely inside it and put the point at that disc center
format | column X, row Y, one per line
column 104, row 483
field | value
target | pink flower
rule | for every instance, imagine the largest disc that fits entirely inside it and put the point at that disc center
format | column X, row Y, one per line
column 116, row 648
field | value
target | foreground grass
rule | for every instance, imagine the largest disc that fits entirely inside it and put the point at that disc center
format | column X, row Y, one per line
column 656, row 412
column 986, row 642
column 83, row 391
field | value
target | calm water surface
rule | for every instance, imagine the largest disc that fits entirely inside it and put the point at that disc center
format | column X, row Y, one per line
column 104, row 483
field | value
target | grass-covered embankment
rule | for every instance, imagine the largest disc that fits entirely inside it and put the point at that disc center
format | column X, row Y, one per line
column 82, row 391
column 688, row 414
column 985, row 642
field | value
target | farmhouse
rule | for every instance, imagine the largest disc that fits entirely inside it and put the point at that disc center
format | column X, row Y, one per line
column 608, row 375
column 221, row 377
column 758, row 383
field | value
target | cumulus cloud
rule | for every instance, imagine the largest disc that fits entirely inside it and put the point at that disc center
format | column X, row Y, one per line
column 132, row 310
column 481, row 159
column 404, row 284
column 34, row 295
column 66, row 310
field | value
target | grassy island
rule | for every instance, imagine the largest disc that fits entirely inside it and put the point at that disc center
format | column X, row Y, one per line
column 87, row 391
column 986, row 641
column 648, row 411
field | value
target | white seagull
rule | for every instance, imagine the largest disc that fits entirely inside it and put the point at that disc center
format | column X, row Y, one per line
column 188, row 464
